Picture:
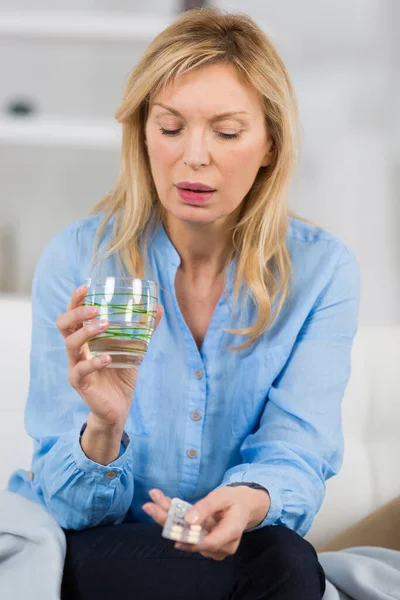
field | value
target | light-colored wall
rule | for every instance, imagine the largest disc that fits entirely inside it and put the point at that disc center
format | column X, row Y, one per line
column 126, row 6
column 343, row 57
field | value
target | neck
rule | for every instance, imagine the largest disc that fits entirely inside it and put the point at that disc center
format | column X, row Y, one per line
column 203, row 248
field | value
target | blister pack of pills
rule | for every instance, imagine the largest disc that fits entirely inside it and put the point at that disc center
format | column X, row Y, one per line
column 179, row 530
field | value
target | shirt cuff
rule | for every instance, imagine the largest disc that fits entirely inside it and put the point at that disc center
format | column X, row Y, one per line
column 110, row 473
column 275, row 511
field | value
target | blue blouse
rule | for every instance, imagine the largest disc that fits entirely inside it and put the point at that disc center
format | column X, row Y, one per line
column 199, row 419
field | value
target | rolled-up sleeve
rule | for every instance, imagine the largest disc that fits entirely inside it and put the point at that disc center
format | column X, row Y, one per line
column 299, row 442
column 78, row 492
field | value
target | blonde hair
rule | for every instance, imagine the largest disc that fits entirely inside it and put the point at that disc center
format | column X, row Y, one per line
column 198, row 38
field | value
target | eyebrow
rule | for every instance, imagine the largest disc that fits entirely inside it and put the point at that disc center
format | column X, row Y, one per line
column 216, row 117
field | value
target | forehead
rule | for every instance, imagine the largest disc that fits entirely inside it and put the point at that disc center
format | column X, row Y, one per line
column 210, row 90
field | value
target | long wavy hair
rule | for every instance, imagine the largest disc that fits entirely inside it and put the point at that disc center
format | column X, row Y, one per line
column 198, row 38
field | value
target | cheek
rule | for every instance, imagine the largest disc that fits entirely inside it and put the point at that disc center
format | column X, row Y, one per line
column 240, row 165
column 161, row 153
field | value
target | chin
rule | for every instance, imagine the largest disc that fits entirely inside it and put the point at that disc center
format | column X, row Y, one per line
column 192, row 214
column 195, row 214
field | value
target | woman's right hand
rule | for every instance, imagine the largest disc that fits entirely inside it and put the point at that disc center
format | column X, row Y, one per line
column 107, row 392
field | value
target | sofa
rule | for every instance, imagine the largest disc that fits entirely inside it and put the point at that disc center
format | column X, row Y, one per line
column 370, row 475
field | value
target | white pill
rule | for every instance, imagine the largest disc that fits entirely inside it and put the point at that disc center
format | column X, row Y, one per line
column 175, row 535
column 195, row 528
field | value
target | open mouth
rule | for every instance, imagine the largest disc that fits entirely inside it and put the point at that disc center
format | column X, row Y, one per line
column 195, row 187
column 197, row 191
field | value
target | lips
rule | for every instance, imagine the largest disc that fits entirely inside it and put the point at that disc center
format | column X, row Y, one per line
column 195, row 197
column 194, row 187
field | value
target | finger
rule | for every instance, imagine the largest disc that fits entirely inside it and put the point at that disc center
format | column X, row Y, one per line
column 158, row 498
column 155, row 512
column 185, row 547
column 215, row 555
column 227, row 550
column 77, row 297
column 216, row 501
column 226, row 533
column 80, row 372
column 218, row 555
column 159, row 315
column 75, row 341
column 209, row 524
column 72, row 320
column 231, row 549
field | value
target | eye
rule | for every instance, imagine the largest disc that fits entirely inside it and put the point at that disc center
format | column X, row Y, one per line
column 224, row 136
column 228, row 136
column 170, row 132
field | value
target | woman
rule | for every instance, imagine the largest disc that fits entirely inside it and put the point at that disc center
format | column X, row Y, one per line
column 236, row 407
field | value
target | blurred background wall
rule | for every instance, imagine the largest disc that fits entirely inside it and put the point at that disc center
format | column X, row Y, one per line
column 63, row 66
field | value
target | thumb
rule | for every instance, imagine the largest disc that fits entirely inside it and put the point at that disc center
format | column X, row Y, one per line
column 214, row 502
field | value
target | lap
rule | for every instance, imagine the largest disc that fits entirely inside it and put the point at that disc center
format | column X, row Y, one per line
column 133, row 559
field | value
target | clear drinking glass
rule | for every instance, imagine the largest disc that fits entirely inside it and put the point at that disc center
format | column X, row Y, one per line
column 130, row 306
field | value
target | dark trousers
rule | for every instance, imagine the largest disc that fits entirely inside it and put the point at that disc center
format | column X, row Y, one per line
column 133, row 562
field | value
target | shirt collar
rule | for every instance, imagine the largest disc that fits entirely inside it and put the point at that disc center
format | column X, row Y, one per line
column 165, row 247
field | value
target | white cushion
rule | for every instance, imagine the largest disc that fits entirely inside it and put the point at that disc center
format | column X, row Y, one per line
column 15, row 326
column 370, row 475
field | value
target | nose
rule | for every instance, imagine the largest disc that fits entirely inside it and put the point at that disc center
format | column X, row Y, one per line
column 196, row 154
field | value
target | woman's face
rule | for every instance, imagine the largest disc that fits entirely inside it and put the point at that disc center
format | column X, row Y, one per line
column 190, row 140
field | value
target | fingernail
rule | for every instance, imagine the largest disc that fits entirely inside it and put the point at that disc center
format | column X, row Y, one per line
column 155, row 494
column 149, row 509
column 192, row 516
column 104, row 360
column 81, row 289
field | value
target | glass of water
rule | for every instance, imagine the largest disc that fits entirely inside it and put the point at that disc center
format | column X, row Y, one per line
column 130, row 306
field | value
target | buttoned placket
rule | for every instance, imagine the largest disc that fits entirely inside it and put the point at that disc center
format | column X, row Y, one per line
column 198, row 386
column 201, row 366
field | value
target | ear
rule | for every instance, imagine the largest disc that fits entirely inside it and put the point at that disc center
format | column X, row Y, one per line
column 269, row 155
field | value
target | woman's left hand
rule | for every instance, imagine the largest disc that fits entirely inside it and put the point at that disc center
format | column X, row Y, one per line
column 227, row 512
